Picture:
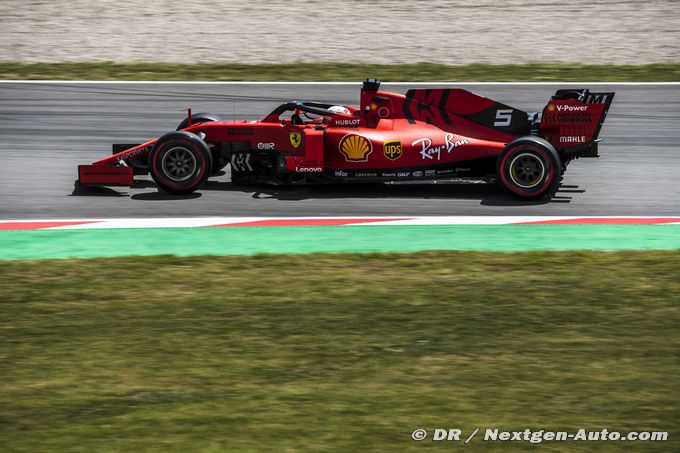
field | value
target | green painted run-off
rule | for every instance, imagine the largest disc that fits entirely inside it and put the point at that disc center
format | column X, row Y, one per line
column 253, row 240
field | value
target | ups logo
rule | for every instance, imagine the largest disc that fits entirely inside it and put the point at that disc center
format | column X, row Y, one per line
column 392, row 149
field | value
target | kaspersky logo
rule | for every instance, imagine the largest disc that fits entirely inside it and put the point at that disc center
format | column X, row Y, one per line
column 355, row 148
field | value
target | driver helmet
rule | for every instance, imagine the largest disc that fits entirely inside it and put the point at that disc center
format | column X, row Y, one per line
column 339, row 109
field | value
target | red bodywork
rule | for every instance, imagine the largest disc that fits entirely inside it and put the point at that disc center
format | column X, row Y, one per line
column 425, row 133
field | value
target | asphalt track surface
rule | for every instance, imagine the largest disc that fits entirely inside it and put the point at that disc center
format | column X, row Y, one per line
column 47, row 129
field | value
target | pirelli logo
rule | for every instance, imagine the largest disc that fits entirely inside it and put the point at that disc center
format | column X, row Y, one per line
column 392, row 149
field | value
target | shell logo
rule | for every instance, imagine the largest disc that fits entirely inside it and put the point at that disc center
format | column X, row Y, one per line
column 355, row 148
column 551, row 107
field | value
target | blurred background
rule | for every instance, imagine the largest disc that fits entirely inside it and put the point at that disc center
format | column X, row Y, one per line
column 449, row 32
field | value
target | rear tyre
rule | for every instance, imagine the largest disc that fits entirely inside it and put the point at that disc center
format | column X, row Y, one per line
column 198, row 118
column 180, row 162
column 529, row 168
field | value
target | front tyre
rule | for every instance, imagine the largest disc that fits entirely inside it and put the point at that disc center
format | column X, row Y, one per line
column 180, row 162
column 219, row 159
column 198, row 118
column 529, row 168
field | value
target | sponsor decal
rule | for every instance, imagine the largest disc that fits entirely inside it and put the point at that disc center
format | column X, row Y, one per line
column 355, row 148
column 427, row 151
column 567, row 117
column 265, row 145
column 388, row 175
column 308, row 169
column 597, row 98
column 392, row 149
column 577, row 117
column 241, row 162
column 347, row 123
column 247, row 131
column 383, row 112
column 430, row 172
column 403, row 174
column 362, row 174
column 447, row 171
column 568, row 114
column 572, row 108
column 295, row 139
column 417, row 174
column 577, row 139
column 341, row 173
column 426, row 105
column 136, row 152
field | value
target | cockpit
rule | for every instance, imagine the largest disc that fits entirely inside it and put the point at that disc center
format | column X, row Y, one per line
column 300, row 113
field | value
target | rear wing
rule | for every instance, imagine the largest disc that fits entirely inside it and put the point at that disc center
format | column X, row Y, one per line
column 573, row 118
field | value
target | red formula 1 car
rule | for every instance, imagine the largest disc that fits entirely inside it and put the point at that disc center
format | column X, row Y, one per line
column 426, row 134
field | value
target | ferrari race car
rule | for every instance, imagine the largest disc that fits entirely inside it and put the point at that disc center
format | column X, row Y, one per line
column 425, row 134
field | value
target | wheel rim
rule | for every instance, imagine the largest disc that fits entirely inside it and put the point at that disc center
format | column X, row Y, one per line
column 527, row 170
column 179, row 163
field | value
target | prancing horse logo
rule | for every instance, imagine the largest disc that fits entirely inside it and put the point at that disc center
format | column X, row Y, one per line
column 295, row 139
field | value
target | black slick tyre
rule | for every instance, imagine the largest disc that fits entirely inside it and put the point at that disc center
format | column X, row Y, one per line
column 529, row 168
column 180, row 162
column 197, row 118
column 219, row 160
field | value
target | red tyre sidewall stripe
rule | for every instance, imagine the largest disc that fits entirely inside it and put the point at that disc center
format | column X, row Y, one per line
column 518, row 190
column 169, row 182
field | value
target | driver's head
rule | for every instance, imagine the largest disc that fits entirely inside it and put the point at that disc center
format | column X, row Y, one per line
column 339, row 109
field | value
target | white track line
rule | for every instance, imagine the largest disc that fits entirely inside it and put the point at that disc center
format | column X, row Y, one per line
column 197, row 222
column 358, row 83
column 155, row 223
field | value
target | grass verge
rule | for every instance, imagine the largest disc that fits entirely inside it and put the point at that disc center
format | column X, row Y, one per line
column 353, row 72
column 336, row 352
